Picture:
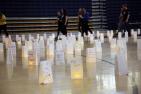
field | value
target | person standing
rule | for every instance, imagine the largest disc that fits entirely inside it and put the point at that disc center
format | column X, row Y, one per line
column 80, row 18
column 59, row 24
column 64, row 21
column 123, row 20
column 3, row 24
column 85, row 23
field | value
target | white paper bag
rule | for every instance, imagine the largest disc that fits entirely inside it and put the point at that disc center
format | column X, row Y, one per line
column 38, row 36
column 53, row 35
column 10, row 37
column 81, row 41
column 108, row 34
column 113, row 46
column 31, row 58
column 110, row 38
column 9, row 56
column 102, row 38
column 135, row 36
column 132, row 32
column 1, row 48
column 12, row 53
column 122, row 63
column 69, row 48
column 77, row 68
column 19, row 42
column 13, row 47
column 77, row 48
column 42, row 47
column 126, row 36
column 72, row 38
column 139, row 49
column 139, row 44
column 91, row 38
column 17, row 37
column 7, row 42
column 139, row 54
column 119, row 35
column 51, row 59
column 50, row 48
column 139, row 31
column 36, row 53
column 30, row 37
column 112, row 32
column 1, row 52
column 41, row 38
column 91, row 55
column 121, row 44
column 23, row 38
column 98, row 46
column 59, row 45
column 59, row 57
column 113, row 43
column 36, row 58
column 45, row 36
column 69, row 59
column 30, row 45
column 64, row 43
column 79, row 35
column 24, row 51
column 98, row 35
column 45, row 73
column 3, row 38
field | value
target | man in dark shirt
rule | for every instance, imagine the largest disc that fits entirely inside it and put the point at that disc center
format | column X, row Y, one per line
column 123, row 20
column 59, row 21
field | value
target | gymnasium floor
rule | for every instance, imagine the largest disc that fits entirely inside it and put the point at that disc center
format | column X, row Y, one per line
column 100, row 77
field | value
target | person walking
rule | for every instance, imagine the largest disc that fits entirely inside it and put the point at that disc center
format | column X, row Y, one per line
column 64, row 21
column 59, row 24
column 80, row 18
column 123, row 20
column 85, row 23
column 3, row 24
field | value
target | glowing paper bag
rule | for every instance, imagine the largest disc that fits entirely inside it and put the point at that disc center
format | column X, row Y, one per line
column 77, row 68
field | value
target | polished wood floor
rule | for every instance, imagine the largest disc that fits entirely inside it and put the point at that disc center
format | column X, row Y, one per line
column 100, row 77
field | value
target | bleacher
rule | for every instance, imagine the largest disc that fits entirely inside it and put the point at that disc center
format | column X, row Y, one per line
column 40, row 24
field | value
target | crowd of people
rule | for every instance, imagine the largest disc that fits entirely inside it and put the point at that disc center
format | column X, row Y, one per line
column 83, row 24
